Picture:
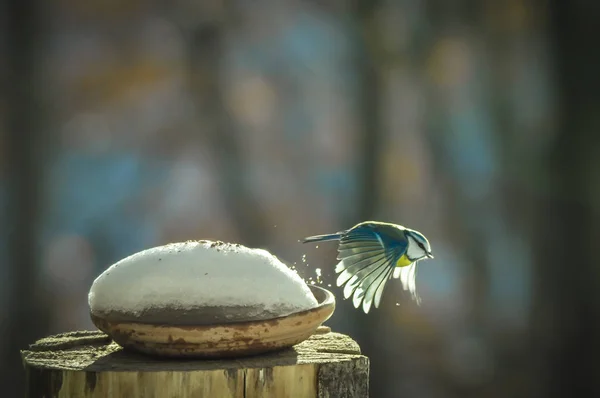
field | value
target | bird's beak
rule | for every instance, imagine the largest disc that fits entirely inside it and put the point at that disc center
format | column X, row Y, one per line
column 430, row 255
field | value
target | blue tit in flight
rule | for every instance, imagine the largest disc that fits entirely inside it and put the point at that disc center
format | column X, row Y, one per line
column 370, row 254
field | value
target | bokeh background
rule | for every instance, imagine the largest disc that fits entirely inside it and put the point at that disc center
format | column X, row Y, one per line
column 129, row 124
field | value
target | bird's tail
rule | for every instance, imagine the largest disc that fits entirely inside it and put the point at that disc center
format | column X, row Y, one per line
column 319, row 238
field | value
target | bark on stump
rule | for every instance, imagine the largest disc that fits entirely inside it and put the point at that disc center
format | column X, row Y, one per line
column 88, row 364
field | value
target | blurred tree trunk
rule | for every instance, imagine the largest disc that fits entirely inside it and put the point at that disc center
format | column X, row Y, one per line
column 371, row 130
column 567, row 302
column 207, row 55
column 23, row 165
column 370, row 137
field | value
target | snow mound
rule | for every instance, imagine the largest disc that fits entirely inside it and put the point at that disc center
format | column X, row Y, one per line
column 198, row 282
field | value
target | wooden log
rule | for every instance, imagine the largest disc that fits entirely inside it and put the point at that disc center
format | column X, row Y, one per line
column 88, row 364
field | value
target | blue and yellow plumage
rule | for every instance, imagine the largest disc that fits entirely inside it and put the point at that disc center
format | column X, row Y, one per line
column 373, row 252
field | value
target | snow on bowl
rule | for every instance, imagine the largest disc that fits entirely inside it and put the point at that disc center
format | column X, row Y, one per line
column 204, row 298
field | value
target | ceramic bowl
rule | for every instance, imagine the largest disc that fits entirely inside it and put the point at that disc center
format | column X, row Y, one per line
column 221, row 340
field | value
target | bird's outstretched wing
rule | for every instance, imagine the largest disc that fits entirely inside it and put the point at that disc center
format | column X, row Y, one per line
column 367, row 261
column 408, row 278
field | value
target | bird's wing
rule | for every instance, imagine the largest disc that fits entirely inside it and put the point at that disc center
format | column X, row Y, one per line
column 408, row 278
column 367, row 257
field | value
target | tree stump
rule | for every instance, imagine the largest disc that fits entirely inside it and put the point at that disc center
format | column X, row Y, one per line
column 89, row 364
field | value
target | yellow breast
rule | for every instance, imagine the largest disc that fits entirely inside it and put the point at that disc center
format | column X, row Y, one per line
column 403, row 261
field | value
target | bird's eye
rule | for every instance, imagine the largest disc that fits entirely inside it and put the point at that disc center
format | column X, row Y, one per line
column 421, row 246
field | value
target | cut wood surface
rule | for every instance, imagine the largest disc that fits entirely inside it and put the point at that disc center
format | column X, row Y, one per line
column 88, row 364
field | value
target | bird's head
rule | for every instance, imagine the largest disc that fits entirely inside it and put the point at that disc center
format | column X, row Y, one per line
column 418, row 245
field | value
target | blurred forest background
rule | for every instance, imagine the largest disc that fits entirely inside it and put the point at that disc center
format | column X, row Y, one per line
column 129, row 124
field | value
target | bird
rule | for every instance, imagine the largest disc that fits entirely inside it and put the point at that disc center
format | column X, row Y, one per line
column 373, row 252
